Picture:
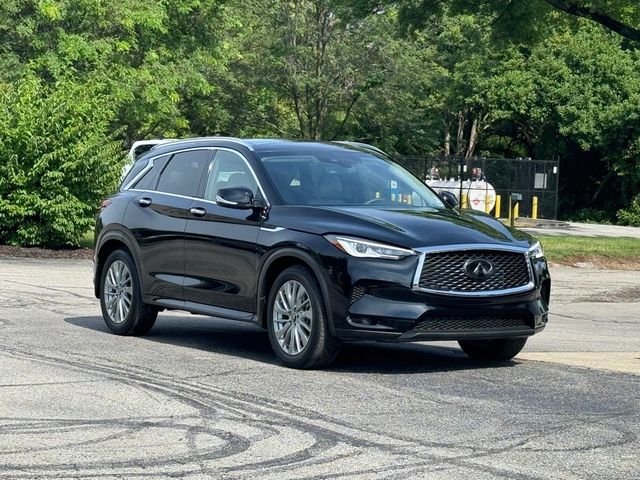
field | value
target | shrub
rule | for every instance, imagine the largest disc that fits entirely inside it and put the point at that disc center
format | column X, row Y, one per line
column 631, row 215
column 56, row 161
column 591, row 215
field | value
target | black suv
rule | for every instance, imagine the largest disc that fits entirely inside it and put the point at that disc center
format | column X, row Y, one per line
column 317, row 243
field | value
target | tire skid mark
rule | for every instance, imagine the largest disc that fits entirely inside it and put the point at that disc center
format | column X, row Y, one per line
column 233, row 444
column 245, row 406
column 51, row 289
column 192, row 400
column 201, row 397
column 330, row 436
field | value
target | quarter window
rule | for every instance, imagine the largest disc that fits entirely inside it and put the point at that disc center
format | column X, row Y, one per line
column 133, row 172
column 183, row 173
column 149, row 179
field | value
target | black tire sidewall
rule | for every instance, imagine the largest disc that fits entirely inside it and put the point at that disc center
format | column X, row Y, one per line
column 319, row 322
column 499, row 350
column 131, row 320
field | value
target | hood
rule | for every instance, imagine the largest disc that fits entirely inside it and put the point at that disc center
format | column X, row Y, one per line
column 410, row 228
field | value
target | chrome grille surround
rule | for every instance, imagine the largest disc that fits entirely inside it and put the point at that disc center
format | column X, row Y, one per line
column 466, row 250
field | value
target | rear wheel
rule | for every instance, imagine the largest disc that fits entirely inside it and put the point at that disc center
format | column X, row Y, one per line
column 121, row 297
column 297, row 321
column 500, row 349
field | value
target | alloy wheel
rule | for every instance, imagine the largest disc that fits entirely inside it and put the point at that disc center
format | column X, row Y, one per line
column 292, row 317
column 118, row 291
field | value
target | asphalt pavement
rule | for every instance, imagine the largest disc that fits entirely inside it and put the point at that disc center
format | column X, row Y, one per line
column 205, row 398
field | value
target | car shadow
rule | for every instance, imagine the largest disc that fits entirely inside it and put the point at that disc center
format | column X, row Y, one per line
column 251, row 342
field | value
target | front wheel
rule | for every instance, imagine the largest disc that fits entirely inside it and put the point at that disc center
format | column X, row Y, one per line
column 297, row 321
column 121, row 297
column 500, row 349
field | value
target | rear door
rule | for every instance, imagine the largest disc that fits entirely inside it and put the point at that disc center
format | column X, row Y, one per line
column 220, row 245
column 158, row 218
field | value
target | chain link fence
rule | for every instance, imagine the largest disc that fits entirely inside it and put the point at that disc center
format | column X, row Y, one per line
column 480, row 181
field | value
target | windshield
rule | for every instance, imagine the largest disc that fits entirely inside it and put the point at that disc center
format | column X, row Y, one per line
column 332, row 177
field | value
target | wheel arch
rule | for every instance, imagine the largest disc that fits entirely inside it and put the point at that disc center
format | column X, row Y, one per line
column 278, row 262
column 108, row 243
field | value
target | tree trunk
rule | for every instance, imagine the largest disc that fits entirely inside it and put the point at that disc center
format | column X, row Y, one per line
column 447, row 139
column 473, row 138
column 460, row 143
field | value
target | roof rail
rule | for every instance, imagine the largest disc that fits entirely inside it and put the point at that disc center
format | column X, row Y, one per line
column 242, row 142
column 362, row 145
column 142, row 146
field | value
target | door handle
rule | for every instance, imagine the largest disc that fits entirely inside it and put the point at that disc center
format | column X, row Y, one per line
column 144, row 202
column 197, row 211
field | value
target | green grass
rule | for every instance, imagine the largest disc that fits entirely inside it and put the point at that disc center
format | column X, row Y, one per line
column 87, row 240
column 556, row 249
column 564, row 248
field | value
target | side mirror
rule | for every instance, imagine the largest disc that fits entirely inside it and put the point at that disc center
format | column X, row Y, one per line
column 449, row 198
column 235, row 197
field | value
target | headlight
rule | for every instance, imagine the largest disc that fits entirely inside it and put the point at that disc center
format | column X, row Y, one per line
column 357, row 247
column 536, row 251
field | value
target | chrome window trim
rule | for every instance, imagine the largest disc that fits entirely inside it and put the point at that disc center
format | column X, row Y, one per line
column 472, row 246
column 255, row 177
column 172, row 195
column 140, row 174
column 150, row 165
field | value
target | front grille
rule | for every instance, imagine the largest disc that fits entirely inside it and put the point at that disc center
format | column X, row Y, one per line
column 445, row 271
column 470, row 323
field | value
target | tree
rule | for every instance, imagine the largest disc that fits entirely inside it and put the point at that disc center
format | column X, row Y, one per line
column 617, row 16
column 151, row 55
column 58, row 160
column 317, row 58
column 521, row 18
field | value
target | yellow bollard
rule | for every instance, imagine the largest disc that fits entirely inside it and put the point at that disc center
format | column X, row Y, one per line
column 464, row 201
column 497, row 212
column 487, row 204
column 534, row 208
column 515, row 210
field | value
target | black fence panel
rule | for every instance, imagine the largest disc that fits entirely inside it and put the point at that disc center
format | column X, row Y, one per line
column 504, row 176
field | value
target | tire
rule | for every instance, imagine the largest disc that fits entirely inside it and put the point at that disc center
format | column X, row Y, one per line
column 305, row 309
column 497, row 350
column 119, row 287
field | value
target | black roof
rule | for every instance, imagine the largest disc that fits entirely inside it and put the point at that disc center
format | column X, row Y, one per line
column 253, row 144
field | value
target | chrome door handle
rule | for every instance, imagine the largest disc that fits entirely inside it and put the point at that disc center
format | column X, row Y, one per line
column 197, row 211
column 144, row 202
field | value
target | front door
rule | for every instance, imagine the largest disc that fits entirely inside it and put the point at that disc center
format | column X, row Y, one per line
column 220, row 242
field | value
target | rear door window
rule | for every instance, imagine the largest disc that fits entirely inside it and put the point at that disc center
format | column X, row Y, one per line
column 183, row 173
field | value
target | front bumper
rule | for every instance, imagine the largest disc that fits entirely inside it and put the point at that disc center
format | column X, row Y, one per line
column 375, row 316
column 371, row 301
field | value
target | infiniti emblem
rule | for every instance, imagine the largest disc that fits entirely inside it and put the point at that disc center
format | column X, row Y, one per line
column 478, row 268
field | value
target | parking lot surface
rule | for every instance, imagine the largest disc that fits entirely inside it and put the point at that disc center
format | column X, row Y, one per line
column 205, row 398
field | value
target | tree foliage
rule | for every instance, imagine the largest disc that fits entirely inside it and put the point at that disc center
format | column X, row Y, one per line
column 57, row 160
column 80, row 80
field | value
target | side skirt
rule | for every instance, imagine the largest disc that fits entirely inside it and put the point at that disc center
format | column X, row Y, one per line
column 209, row 310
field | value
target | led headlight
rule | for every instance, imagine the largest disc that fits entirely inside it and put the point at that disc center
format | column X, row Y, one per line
column 536, row 250
column 358, row 247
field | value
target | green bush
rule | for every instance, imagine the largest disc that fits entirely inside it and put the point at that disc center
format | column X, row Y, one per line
column 590, row 215
column 56, row 161
column 631, row 215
